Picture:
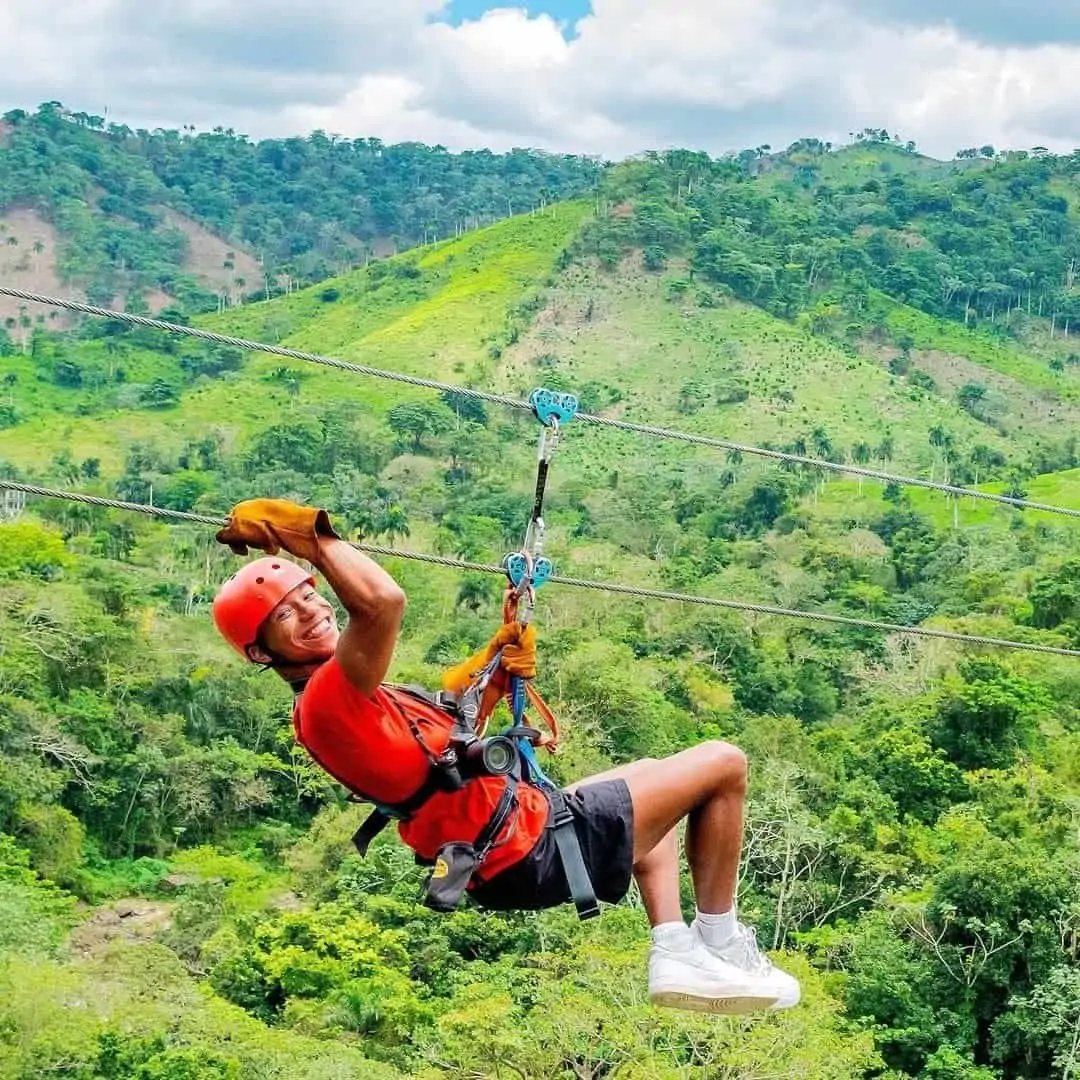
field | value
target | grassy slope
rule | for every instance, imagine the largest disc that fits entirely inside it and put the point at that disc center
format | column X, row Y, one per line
column 853, row 166
column 842, row 501
column 650, row 348
column 436, row 325
column 621, row 332
column 1003, row 357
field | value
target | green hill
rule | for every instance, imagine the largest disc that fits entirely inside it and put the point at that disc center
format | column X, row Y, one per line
column 209, row 219
column 168, row 858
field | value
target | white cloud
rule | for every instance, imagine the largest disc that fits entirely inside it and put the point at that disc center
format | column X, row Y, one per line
column 203, row 61
column 1017, row 22
column 637, row 74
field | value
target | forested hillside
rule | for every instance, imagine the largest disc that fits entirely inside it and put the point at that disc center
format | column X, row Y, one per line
column 129, row 205
column 178, row 897
column 816, row 232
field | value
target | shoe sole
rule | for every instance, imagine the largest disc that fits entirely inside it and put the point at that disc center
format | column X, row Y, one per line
column 731, row 1006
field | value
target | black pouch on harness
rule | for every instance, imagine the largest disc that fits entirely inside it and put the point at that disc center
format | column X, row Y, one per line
column 457, row 861
column 453, row 870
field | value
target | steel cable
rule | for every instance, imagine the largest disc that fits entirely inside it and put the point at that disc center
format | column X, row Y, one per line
column 578, row 583
column 516, row 403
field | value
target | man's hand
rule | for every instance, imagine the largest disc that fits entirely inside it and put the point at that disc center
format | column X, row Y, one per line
column 518, row 644
column 273, row 524
column 519, row 653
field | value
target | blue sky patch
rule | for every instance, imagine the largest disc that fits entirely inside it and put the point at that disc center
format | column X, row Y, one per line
column 568, row 11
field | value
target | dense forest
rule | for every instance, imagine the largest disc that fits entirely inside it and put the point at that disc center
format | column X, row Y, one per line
column 178, row 897
column 305, row 207
column 813, row 233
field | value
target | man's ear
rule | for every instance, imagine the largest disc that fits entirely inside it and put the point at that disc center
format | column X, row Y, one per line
column 258, row 656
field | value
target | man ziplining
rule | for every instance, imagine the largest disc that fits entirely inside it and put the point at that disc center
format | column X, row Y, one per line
column 482, row 816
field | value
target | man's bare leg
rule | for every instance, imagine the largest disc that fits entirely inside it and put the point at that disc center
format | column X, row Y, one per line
column 656, row 871
column 707, row 785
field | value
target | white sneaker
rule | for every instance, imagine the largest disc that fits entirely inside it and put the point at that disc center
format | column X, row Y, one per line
column 735, row 981
column 743, row 952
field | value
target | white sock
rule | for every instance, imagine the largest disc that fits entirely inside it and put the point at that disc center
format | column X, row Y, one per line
column 671, row 935
column 717, row 930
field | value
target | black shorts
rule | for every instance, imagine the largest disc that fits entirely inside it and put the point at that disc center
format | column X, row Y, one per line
column 604, row 822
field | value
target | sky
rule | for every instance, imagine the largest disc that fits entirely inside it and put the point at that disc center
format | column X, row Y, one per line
column 610, row 78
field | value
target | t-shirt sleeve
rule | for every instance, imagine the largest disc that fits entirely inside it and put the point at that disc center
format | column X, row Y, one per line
column 333, row 712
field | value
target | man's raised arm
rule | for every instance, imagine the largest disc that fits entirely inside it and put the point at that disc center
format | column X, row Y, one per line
column 375, row 604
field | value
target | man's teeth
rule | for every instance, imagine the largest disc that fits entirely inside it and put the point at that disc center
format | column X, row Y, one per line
column 319, row 628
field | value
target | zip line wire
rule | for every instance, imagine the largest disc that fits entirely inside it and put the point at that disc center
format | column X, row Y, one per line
column 517, row 403
column 579, row 583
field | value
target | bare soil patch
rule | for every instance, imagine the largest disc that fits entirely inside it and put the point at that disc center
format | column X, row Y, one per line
column 225, row 267
column 1019, row 408
column 28, row 260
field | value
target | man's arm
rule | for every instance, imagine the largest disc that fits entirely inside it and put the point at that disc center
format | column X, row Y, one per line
column 375, row 604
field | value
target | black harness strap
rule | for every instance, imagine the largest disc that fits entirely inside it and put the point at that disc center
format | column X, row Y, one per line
column 502, row 813
column 573, row 863
column 383, row 814
column 562, row 820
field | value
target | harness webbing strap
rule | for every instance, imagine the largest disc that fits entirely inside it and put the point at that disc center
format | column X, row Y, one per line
column 577, row 874
column 371, row 826
column 382, row 815
column 506, row 805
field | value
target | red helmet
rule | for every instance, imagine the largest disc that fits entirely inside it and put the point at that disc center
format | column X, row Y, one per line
column 249, row 596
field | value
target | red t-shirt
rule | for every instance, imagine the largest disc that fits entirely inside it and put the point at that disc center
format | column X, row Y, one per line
column 366, row 744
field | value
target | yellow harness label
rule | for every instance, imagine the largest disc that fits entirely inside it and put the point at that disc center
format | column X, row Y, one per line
column 441, row 868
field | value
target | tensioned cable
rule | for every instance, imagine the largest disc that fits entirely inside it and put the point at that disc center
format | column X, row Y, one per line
column 517, row 403
column 579, row 583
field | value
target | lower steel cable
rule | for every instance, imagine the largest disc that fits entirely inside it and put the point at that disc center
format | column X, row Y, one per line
column 578, row 583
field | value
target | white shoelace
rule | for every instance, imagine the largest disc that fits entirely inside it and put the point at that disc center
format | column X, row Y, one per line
column 743, row 950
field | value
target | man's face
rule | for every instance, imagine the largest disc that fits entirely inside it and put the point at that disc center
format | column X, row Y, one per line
column 303, row 628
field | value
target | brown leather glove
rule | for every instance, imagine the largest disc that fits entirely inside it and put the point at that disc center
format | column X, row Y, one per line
column 519, row 657
column 273, row 524
column 518, row 645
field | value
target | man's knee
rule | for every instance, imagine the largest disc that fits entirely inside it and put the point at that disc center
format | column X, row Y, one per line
column 729, row 762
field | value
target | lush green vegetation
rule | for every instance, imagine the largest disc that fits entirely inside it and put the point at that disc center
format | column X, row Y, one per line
column 306, row 207
column 178, row 897
column 810, row 232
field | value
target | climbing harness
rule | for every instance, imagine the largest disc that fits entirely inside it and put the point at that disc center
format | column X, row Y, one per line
column 511, row 754
column 465, row 757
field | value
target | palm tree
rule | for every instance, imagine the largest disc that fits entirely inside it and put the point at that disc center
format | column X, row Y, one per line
column 821, row 442
column 861, row 454
column 474, row 592
column 394, row 524
column 884, row 451
column 939, row 438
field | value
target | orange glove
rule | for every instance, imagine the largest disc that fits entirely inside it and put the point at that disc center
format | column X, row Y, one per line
column 518, row 644
column 519, row 657
column 459, row 677
column 273, row 524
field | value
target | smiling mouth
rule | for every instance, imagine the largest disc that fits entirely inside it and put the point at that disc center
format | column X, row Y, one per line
column 321, row 628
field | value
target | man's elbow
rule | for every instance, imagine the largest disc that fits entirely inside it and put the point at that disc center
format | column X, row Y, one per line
column 393, row 602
